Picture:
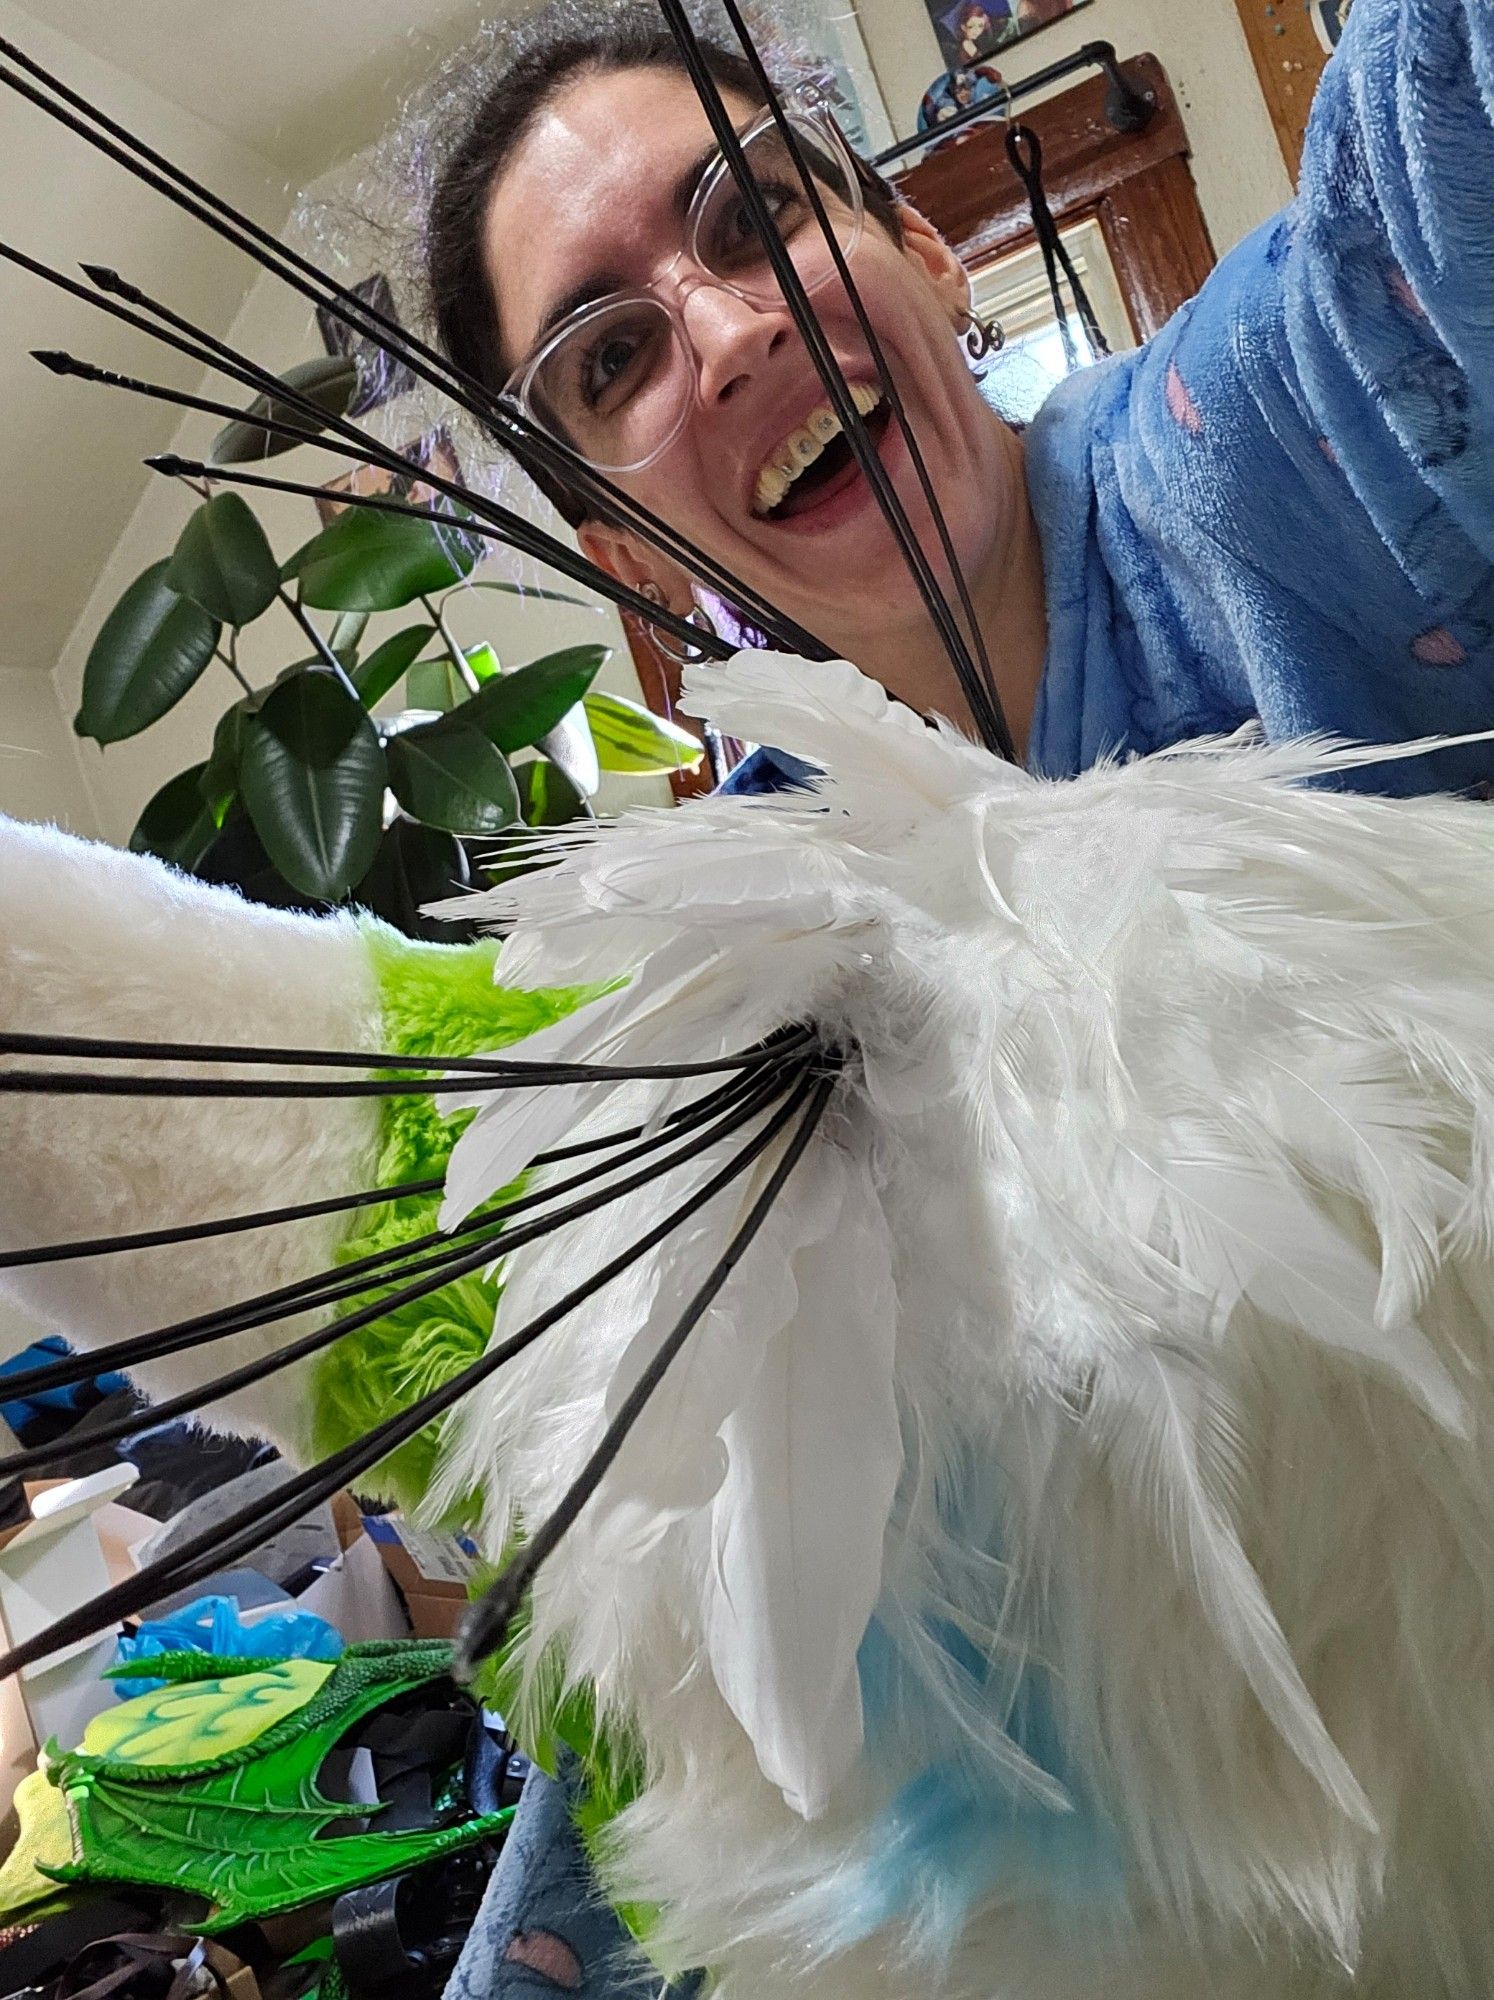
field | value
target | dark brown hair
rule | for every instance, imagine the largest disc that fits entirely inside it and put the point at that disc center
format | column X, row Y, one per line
column 463, row 301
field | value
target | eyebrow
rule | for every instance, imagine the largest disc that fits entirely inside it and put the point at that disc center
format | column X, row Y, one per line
column 589, row 290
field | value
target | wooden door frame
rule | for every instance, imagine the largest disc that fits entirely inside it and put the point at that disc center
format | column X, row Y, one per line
column 1137, row 186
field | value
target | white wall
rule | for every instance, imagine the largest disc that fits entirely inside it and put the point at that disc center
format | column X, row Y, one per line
column 40, row 776
column 1236, row 161
column 73, row 451
column 276, row 327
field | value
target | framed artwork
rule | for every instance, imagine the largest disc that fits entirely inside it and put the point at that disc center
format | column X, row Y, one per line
column 971, row 31
column 380, row 379
column 840, row 66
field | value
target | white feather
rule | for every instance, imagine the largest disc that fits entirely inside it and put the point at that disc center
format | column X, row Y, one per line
column 1172, row 1089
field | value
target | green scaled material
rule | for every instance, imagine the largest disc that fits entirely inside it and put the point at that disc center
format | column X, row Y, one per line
column 438, row 999
column 208, row 1785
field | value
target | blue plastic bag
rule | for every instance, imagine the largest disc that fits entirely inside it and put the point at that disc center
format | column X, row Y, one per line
column 213, row 1625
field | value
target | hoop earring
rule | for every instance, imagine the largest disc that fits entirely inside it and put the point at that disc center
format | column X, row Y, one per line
column 981, row 337
column 669, row 644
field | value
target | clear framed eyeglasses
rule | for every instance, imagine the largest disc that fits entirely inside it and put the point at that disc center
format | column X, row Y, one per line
column 615, row 379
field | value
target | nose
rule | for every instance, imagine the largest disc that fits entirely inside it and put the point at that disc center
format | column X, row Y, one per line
column 732, row 337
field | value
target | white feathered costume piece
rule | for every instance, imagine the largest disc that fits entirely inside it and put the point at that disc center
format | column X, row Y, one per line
column 1063, row 1559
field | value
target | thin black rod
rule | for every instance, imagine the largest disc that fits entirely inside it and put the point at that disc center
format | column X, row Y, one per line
column 110, row 1048
column 447, row 1266
column 365, row 320
column 230, row 1540
column 989, row 717
column 490, row 1074
column 825, row 364
column 384, row 1267
column 484, row 1624
column 499, row 416
column 575, row 566
column 225, row 1225
column 1127, row 109
column 270, row 1218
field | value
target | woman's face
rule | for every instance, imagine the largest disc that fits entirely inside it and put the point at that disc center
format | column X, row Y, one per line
column 593, row 200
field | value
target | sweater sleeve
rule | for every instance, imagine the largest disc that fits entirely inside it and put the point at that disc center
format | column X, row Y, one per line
column 1389, row 282
column 1283, row 505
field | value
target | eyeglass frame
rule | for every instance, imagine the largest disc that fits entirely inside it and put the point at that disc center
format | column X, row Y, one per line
column 807, row 108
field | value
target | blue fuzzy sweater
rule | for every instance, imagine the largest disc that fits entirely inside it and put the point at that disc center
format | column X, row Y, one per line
column 1282, row 506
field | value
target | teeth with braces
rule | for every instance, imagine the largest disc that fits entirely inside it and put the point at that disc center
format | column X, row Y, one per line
column 803, row 446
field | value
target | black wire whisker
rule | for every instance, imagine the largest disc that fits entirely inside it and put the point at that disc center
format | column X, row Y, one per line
column 228, row 1541
column 576, row 567
column 270, row 1218
column 825, row 363
column 485, row 1623
column 502, row 417
column 448, row 1265
column 988, row 715
column 482, row 1076
column 396, row 1261
column 365, row 320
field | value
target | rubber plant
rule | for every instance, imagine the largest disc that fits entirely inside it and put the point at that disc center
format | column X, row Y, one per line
column 307, row 797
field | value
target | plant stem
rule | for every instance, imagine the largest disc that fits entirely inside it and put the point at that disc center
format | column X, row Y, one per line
column 329, row 658
column 230, row 660
column 458, row 658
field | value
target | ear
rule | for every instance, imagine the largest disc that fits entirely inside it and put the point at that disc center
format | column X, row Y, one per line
column 627, row 557
column 925, row 247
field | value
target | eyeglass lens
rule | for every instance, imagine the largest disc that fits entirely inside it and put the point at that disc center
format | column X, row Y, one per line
column 617, row 383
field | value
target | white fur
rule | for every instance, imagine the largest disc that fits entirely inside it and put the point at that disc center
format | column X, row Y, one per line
column 1171, row 1111
column 98, row 942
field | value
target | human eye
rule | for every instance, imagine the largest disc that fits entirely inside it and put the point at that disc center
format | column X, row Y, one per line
column 734, row 239
column 613, row 363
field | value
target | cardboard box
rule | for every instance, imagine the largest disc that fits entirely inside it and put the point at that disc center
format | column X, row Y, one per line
column 434, row 1571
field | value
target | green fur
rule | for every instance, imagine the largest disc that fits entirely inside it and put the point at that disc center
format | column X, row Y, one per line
column 438, row 999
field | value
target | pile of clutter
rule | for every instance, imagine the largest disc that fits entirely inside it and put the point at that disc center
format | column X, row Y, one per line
column 266, row 1790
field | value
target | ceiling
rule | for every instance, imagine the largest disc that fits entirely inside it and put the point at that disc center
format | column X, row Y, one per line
column 304, row 83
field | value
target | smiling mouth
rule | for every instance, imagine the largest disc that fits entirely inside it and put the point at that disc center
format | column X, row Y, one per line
column 814, row 459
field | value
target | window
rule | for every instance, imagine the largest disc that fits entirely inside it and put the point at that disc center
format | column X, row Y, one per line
column 1013, row 291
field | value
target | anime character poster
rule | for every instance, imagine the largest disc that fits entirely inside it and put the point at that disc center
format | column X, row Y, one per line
column 971, row 30
column 956, row 91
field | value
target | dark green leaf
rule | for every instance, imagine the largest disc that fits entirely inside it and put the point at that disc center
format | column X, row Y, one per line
column 546, row 795
column 176, row 825
column 415, row 865
column 328, row 381
column 312, row 776
column 532, row 590
column 237, row 857
column 219, row 782
column 223, row 562
column 389, row 663
column 347, row 636
column 367, row 561
column 150, row 649
column 633, row 740
column 517, row 709
column 452, row 777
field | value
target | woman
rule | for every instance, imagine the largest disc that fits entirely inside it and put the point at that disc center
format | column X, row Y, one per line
column 1282, row 507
